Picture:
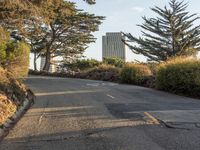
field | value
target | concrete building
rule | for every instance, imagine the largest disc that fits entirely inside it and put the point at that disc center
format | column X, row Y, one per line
column 113, row 46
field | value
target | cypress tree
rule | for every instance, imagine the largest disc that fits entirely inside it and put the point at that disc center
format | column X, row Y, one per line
column 170, row 34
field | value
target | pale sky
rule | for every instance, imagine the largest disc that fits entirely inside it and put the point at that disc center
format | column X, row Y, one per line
column 123, row 15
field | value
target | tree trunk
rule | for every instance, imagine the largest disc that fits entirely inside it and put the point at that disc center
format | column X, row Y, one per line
column 47, row 61
column 34, row 62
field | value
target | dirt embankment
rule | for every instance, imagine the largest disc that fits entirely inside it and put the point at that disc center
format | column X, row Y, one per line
column 7, row 108
column 12, row 95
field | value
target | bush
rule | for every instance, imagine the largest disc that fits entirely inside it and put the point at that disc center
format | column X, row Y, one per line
column 153, row 66
column 103, row 72
column 83, row 64
column 14, row 56
column 180, row 76
column 117, row 62
column 135, row 73
column 18, row 59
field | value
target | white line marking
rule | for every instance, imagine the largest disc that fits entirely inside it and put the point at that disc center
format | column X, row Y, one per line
column 94, row 84
column 67, row 92
column 110, row 96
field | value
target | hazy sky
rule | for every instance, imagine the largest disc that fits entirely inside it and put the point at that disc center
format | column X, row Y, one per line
column 124, row 15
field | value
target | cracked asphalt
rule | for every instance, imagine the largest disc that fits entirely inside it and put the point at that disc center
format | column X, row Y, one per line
column 75, row 114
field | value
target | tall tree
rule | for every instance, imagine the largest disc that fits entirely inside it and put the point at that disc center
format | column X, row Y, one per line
column 14, row 13
column 66, row 33
column 52, row 27
column 170, row 34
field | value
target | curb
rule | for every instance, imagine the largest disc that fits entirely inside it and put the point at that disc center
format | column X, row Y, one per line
column 9, row 124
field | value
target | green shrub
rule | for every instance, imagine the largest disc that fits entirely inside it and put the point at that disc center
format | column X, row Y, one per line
column 180, row 75
column 135, row 73
column 83, row 64
column 103, row 72
column 117, row 62
column 18, row 59
column 14, row 56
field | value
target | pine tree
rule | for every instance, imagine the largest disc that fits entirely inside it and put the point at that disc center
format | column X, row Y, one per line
column 170, row 34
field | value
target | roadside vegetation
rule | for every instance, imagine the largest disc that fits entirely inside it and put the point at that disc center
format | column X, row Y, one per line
column 117, row 62
column 14, row 64
column 82, row 65
column 12, row 94
column 135, row 73
column 180, row 76
column 103, row 72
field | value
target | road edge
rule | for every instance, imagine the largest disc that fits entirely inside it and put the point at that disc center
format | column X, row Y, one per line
column 12, row 121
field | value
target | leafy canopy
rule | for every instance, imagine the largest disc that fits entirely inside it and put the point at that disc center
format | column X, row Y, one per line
column 67, row 33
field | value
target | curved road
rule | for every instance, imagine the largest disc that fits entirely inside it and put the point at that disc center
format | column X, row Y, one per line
column 74, row 114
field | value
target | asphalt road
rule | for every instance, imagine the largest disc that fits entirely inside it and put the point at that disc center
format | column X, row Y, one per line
column 74, row 114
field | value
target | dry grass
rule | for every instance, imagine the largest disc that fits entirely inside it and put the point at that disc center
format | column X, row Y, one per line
column 12, row 94
column 178, row 60
column 103, row 72
column 133, row 73
column 3, row 77
column 7, row 108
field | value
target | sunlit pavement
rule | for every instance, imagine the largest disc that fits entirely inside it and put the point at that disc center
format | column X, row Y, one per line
column 74, row 114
